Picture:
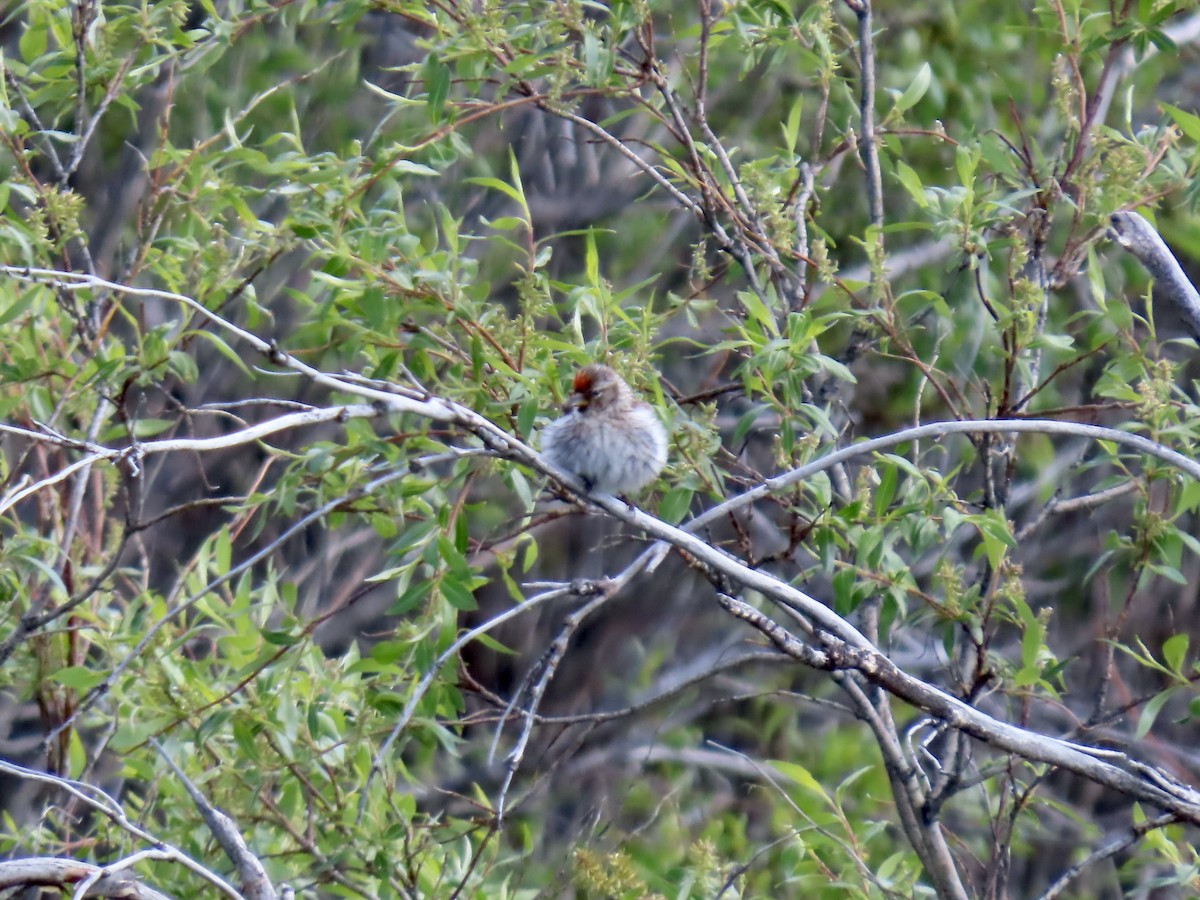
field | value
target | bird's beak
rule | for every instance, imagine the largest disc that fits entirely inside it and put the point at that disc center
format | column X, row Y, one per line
column 574, row 402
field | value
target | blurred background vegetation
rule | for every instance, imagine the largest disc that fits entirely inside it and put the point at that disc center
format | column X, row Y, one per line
column 473, row 198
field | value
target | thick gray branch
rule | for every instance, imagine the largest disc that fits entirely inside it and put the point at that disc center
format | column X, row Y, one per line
column 1107, row 767
column 1135, row 234
column 255, row 883
column 50, row 871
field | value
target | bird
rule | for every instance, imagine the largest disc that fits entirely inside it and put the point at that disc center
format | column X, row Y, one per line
column 612, row 441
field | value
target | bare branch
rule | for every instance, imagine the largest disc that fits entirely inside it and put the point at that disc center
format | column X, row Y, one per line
column 132, row 454
column 422, row 686
column 93, row 880
column 1112, row 848
column 1132, row 231
column 1118, row 773
column 867, row 141
column 250, row 869
column 941, row 429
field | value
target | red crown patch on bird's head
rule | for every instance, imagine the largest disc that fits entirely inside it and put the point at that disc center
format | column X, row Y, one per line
column 583, row 381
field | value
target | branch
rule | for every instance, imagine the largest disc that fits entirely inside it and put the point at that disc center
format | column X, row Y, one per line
column 396, row 399
column 941, row 429
column 133, row 453
column 1135, row 834
column 427, row 679
column 1130, row 777
column 114, row 873
column 922, row 830
column 50, row 871
column 1133, row 232
column 535, row 688
column 868, row 144
column 250, row 869
column 624, row 712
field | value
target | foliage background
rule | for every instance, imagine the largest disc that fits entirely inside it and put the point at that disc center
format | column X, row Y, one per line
column 466, row 201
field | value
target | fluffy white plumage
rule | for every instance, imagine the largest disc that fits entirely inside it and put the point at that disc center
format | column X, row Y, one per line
column 607, row 437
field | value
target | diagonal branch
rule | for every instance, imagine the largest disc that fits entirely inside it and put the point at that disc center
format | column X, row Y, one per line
column 1134, row 233
column 250, row 869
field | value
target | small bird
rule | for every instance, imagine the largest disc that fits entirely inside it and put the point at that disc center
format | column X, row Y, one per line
column 606, row 436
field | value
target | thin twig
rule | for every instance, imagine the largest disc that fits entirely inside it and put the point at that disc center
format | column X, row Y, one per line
column 423, row 685
column 1112, row 848
column 867, row 142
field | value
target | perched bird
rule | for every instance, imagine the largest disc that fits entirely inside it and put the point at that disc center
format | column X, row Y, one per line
column 606, row 436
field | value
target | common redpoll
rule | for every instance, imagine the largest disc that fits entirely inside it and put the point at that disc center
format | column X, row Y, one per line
column 607, row 437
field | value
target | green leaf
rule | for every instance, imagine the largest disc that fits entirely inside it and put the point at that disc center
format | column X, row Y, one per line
column 1189, row 497
column 79, row 678
column 408, row 167
column 1033, row 637
column 888, row 477
column 801, row 776
column 591, row 260
column 843, row 591
column 911, row 182
column 1150, row 712
column 223, row 348
column 1189, row 123
column 223, row 551
column 995, row 535
column 758, row 311
column 17, row 307
column 675, row 504
column 492, row 644
column 966, row 159
column 147, row 428
column 1174, row 651
column 916, row 89
column 32, row 43
column 436, row 76
column 497, row 185
column 597, row 59
column 791, row 129
column 458, row 594
column 1095, row 276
